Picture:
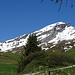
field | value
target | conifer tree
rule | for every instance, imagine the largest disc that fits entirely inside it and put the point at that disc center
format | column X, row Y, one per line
column 30, row 48
column 32, row 45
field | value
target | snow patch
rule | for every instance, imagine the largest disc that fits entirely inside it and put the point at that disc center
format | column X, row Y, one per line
column 67, row 43
column 45, row 48
column 52, row 46
column 64, row 35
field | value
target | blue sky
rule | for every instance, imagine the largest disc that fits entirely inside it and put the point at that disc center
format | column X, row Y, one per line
column 18, row 17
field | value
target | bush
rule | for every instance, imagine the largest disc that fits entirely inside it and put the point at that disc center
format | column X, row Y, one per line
column 59, row 60
column 25, row 61
column 34, row 66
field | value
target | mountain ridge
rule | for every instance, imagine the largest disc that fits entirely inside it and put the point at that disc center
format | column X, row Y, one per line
column 50, row 34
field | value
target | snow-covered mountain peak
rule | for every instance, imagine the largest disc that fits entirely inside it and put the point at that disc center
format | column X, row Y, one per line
column 48, row 27
column 67, row 34
column 52, row 33
column 60, row 23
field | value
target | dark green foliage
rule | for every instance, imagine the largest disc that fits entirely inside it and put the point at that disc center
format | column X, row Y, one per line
column 20, row 65
column 38, row 56
column 35, row 60
column 59, row 60
column 31, row 45
column 31, row 52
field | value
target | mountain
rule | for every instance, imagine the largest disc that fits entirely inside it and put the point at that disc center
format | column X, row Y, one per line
column 59, row 35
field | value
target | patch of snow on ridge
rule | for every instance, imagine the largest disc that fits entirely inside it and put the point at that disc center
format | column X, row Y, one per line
column 52, row 46
column 10, row 45
column 45, row 48
column 49, row 27
column 42, row 37
column 74, row 44
column 70, row 46
column 67, row 43
column 66, row 34
column 67, row 48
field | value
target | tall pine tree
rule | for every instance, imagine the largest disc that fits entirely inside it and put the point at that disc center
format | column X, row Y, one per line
column 32, row 45
column 30, row 48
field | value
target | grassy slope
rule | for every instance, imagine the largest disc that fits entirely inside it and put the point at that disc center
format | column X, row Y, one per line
column 8, row 63
column 69, row 71
column 70, row 52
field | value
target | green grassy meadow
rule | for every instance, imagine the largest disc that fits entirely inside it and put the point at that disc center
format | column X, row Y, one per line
column 8, row 63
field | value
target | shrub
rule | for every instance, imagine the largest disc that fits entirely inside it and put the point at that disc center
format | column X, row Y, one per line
column 58, row 60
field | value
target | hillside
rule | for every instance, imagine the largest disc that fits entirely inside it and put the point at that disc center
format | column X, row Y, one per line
column 8, row 63
column 58, row 41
